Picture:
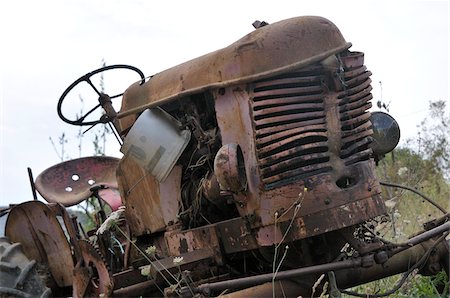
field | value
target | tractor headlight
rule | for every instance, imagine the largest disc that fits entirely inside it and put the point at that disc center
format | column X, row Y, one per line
column 386, row 134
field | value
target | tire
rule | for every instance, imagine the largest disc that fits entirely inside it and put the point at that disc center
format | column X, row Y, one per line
column 18, row 275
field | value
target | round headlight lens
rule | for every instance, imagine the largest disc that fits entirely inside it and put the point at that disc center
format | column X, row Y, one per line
column 386, row 133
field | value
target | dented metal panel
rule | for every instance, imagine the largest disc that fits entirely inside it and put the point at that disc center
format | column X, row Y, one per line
column 151, row 205
column 140, row 196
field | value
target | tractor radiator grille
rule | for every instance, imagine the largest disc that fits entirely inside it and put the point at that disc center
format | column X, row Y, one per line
column 290, row 127
column 354, row 103
column 290, row 123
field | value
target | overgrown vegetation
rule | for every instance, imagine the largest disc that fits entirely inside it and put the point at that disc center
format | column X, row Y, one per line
column 422, row 164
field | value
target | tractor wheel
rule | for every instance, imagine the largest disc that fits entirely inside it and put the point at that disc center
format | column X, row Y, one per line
column 18, row 275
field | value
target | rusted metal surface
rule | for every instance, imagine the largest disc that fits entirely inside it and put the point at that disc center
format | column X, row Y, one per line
column 170, row 193
column 320, row 222
column 348, row 273
column 81, row 279
column 180, row 242
column 140, row 195
column 288, row 274
column 282, row 288
column 101, row 282
column 127, row 278
column 199, row 263
column 36, row 227
column 230, row 169
column 136, row 289
column 232, row 112
column 151, row 205
column 236, row 236
column 269, row 50
column 303, row 127
column 70, row 226
column 308, row 129
column 69, row 182
column 398, row 263
column 211, row 188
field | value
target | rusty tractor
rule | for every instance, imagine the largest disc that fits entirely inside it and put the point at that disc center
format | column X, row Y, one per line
column 246, row 172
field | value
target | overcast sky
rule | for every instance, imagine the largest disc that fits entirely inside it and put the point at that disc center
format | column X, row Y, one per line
column 46, row 45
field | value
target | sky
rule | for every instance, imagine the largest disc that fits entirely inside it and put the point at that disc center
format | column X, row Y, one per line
column 46, row 45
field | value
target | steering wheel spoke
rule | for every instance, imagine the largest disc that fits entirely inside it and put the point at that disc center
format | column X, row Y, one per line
column 87, row 78
column 81, row 119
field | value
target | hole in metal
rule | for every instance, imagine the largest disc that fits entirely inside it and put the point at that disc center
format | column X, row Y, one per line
column 346, row 182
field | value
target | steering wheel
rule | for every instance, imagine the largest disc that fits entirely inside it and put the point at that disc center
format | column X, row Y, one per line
column 87, row 78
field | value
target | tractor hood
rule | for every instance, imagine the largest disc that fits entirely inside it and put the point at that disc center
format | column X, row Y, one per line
column 267, row 51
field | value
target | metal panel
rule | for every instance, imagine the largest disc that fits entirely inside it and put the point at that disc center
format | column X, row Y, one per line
column 140, row 195
column 155, row 142
column 267, row 51
column 150, row 205
column 36, row 227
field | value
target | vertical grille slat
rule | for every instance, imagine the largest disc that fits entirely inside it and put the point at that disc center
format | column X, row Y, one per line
column 355, row 102
column 355, row 112
column 355, row 72
column 354, row 146
column 355, row 90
